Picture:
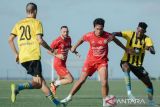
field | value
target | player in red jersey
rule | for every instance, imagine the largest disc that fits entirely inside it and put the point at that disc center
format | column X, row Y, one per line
column 97, row 58
column 61, row 47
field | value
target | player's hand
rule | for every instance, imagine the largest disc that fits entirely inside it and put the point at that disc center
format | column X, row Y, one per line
column 147, row 48
column 17, row 58
column 77, row 54
column 130, row 51
column 51, row 51
column 60, row 56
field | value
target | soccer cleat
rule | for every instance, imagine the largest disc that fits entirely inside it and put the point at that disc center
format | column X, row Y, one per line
column 130, row 96
column 66, row 100
column 13, row 92
column 53, row 88
column 58, row 103
column 151, row 103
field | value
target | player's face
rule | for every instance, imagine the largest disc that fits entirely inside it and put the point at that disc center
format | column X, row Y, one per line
column 98, row 29
column 140, row 31
column 64, row 32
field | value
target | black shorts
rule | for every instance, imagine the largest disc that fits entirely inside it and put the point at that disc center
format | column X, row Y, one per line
column 139, row 71
column 33, row 68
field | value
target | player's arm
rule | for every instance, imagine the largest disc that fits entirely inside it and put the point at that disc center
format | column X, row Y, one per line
column 73, row 49
column 149, row 45
column 75, row 52
column 54, row 53
column 13, row 47
column 151, row 49
column 43, row 43
column 129, row 51
column 119, row 34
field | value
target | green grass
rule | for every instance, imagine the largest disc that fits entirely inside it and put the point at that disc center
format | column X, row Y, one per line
column 88, row 96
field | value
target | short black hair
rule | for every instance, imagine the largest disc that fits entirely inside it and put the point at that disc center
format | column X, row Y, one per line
column 98, row 21
column 64, row 27
column 30, row 7
column 143, row 25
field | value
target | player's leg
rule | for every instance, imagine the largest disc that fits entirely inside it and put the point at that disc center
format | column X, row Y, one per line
column 126, row 69
column 45, row 89
column 142, row 74
column 88, row 70
column 16, row 88
column 76, row 87
column 65, row 77
column 103, row 74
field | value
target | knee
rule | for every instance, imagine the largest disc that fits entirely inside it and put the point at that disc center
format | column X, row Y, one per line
column 125, row 67
column 70, row 80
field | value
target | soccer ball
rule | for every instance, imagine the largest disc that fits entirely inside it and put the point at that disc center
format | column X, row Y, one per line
column 110, row 101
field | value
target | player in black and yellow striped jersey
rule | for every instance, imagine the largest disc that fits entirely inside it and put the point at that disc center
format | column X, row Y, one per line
column 137, row 41
column 29, row 32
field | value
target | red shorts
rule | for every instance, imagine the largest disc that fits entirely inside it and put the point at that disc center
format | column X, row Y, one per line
column 90, row 67
column 61, row 69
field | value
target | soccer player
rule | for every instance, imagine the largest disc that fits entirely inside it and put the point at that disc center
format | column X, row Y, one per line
column 97, row 58
column 29, row 32
column 61, row 46
column 139, row 42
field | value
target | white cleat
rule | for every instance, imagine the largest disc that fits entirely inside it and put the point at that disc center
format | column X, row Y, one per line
column 151, row 103
column 66, row 100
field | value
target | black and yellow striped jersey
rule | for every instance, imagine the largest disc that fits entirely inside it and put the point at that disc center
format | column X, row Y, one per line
column 27, row 30
column 139, row 45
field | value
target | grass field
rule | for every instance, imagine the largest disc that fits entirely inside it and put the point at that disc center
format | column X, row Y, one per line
column 88, row 96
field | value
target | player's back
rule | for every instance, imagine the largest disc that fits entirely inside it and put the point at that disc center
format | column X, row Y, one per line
column 27, row 30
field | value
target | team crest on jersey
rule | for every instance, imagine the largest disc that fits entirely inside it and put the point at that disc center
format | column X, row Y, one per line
column 62, row 46
column 93, row 42
column 100, row 42
column 105, row 41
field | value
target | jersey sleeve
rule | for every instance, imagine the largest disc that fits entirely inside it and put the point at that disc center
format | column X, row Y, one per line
column 148, row 41
column 127, row 34
column 54, row 44
column 39, row 29
column 14, row 30
column 86, row 37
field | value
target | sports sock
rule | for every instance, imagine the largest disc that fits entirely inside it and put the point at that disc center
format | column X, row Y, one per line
column 57, row 83
column 51, row 98
column 22, row 86
column 150, row 93
column 128, row 82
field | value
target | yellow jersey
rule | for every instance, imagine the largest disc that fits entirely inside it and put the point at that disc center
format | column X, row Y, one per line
column 139, row 45
column 27, row 30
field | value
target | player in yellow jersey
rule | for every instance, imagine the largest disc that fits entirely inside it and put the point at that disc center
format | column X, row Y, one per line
column 29, row 33
column 139, row 42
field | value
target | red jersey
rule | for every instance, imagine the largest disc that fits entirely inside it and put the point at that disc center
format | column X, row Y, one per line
column 98, row 46
column 62, row 46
